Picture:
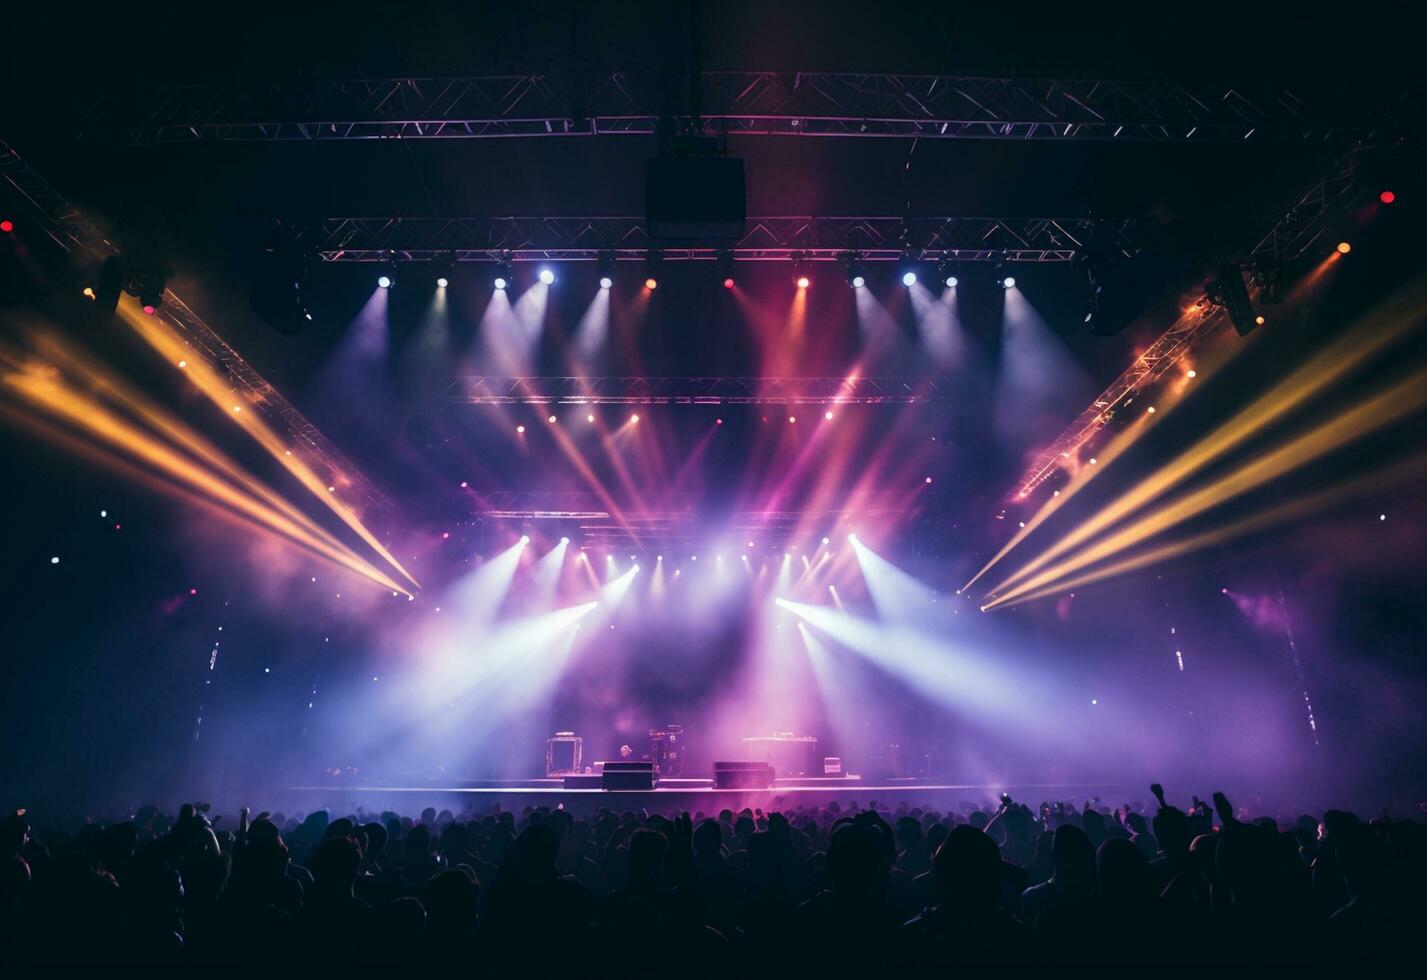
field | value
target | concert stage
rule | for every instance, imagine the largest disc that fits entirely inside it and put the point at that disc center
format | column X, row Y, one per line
column 684, row 794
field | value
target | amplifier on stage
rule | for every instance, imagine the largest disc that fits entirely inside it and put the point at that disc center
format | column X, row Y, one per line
column 789, row 754
column 628, row 775
column 743, row 775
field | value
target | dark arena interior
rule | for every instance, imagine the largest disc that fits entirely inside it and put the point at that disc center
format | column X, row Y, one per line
column 673, row 488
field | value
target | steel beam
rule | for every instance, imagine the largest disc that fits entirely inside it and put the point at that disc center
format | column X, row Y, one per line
column 737, row 103
column 773, row 238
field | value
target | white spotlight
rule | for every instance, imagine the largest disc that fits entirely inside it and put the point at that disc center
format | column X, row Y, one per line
column 442, row 282
column 1009, row 282
column 909, row 279
column 858, row 282
column 546, row 276
column 950, row 282
column 384, row 281
column 606, row 282
column 525, row 539
column 501, row 282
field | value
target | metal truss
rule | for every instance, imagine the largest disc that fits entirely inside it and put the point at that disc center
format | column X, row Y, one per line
column 683, row 516
column 1171, row 347
column 793, row 238
column 737, row 103
column 76, row 235
column 692, row 391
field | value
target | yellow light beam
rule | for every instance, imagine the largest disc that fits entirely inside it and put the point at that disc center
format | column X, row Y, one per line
column 1385, row 325
column 206, row 378
column 1396, row 402
column 89, row 415
column 1281, row 514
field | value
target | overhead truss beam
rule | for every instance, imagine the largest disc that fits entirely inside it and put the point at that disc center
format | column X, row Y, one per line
column 779, row 238
column 692, row 391
column 738, row 103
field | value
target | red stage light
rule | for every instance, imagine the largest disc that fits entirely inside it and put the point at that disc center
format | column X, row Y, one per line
column 7, row 226
column 1386, row 197
column 651, row 283
column 728, row 282
column 1344, row 247
column 804, row 282
column 149, row 309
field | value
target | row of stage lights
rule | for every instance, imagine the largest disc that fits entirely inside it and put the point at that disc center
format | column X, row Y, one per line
column 856, row 278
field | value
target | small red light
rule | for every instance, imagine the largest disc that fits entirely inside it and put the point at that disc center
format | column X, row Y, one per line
column 1386, row 197
column 7, row 226
column 728, row 283
column 148, row 309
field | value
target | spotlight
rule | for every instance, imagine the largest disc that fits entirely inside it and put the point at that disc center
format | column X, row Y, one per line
column 443, row 270
column 442, row 282
column 525, row 539
column 504, row 274
column 552, row 420
column 634, row 419
column 7, row 226
column 606, row 270
column 1344, row 248
column 1008, row 282
column 828, row 416
column 909, row 278
column 1386, row 197
column 547, row 276
column 853, row 271
column 803, row 282
column 653, row 262
column 606, row 282
column 947, row 271
column 589, row 418
column 564, row 540
column 520, row 429
column 792, row 419
column 385, row 281
column 826, row 541
column 725, row 268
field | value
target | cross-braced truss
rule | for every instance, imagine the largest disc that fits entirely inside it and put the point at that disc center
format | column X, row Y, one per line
column 737, row 103
column 691, row 391
column 63, row 223
column 782, row 238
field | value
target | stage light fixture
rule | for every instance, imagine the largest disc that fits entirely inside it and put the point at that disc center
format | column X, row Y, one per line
column 552, row 420
column 525, row 539
column 909, row 278
column 1227, row 290
column 634, row 419
column 589, row 418
column 828, row 416
column 852, row 270
column 947, row 271
column 385, row 281
column 442, row 282
column 725, row 268
column 803, row 282
column 606, row 269
column 504, row 274
column 1344, row 248
column 1387, row 197
column 7, row 226
column 606, row 282
column 547, row 276
column 520, row 429
column 653, row 262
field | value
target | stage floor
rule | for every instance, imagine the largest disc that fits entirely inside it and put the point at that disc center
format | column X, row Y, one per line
column 685, row 794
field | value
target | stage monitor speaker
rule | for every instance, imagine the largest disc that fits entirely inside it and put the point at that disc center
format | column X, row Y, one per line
column 743, row 775
column 628, row 775
column 695, row 197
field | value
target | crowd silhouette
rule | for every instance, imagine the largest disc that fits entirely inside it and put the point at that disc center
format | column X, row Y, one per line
column 831, row 890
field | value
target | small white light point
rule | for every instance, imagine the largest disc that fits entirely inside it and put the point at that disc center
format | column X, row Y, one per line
column 54, row 560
